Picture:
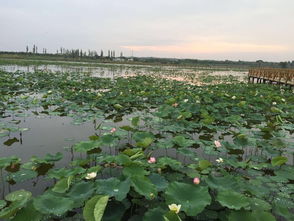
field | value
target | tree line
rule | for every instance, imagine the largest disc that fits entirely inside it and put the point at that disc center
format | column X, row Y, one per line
column 75, row 53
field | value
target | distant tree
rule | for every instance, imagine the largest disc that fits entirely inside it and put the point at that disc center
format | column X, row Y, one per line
column 259, row 63
column 34, row 49
column 108, row 54
column 27, row 49
column 283, row 64
column 81, row 53
column 101, row 54
column 96, row 54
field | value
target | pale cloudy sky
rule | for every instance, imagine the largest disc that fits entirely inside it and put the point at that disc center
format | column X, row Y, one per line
column 203, row 29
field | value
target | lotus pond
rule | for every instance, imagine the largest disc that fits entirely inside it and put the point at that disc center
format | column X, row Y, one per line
column 144, row 147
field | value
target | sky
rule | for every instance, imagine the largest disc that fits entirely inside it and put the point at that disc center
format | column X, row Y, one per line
column 199, row 29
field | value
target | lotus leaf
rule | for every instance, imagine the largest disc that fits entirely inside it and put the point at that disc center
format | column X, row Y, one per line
column 143, row 186
column 23, row 175
column 62, row 185
column 19, row 195
column 94, row 208
column 28, row 213
column 50, row 204
column 113, row 187
column 232, row 200
column 192, row 198
column 251, row 216
column 278, row 161
column 159, row 181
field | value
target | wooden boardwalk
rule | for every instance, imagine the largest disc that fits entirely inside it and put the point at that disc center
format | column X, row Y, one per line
column 272, row 76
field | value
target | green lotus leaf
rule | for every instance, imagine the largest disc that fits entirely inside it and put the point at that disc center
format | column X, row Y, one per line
column 108, row 140
column 123, row 159
column 171, row 216
column 143, row 186
column 62, row 185
column 204, row 164
column 186, row 152
column 2, row 204
column 166, row 161
column 19, row 195
column 28, row 213
column 134, row 170
column 276, row 110
column 283, row 211
column 256, row 215
column 164, row 144
column 80, row 192
column 127, row 128
column 52, row 158
column 63, row 172
column 182, row 141
column 49, row 158
column 85, row 146
column 191, row 172
column 113, row 187
column 100, row 208
column 145, row 142
column 285, row 172
column 232, row 200
column 23, row 175
column 6, row 161
column 135, row 121
column 118, row 106
column 80, row 162
column 241, row 140
column 50, row 204
column 132, row 151
column 12, row 209
column 94, row 208
column 139, row 136
column 192, row 198
column 95, row 169
column 223, row 183
column 259, row 204
column 159, row 181
column 154, row 214
column 279, row 160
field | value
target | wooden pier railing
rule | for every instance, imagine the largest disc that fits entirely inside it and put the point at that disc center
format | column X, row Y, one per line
column 271, row 75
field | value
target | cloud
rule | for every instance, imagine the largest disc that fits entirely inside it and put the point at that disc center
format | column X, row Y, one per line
column 209, row 46
column 172, row 28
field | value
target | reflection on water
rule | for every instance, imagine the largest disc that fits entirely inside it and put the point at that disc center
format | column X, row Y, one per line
column 192, row 75
column 102, row 72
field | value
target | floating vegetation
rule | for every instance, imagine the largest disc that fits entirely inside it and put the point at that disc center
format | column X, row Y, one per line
column 158, row 149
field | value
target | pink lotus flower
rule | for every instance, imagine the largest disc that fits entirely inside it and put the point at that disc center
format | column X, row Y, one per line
column 152, row 160
column 112, row 130
column 217, row 143
column 175, row 104
column 196, row 180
